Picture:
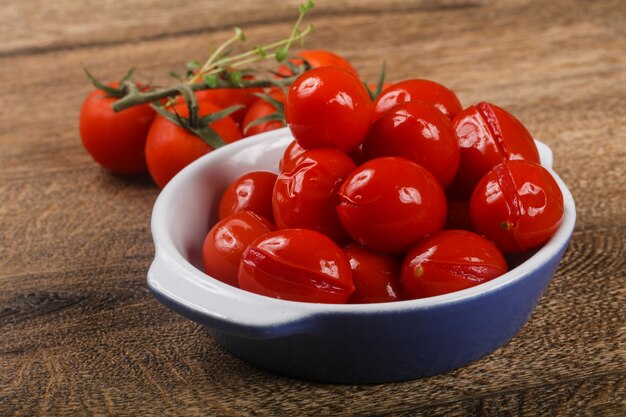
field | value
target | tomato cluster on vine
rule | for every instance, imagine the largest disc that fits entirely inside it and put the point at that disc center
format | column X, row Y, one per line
column 404, row 196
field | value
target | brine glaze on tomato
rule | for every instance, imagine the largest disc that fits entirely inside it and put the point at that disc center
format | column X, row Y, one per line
column 328, row 107
column 488, row 135
column 297, row 265
column 305, row 194
column 376, row 276
column 435, row 94
column 252, row 191
column 387, row 204
column 448, row 261
column 518, row 205
column 226, row 241
column 419, row 132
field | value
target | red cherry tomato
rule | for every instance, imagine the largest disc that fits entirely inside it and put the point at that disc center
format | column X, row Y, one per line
column 488, row 135
column 387, row 204
column 252, row 192
column 430, row 92
column 376, row 276
column 306, row 195
column 458, row 215
column 419, row 132
column 115, row 140
column 296, row 265
column 291, row 153
column 226, row 241
column 328, row 107
column 518, row 205
column 170, row 148
column 448, row 261
column 261, row 108
column 318, row 58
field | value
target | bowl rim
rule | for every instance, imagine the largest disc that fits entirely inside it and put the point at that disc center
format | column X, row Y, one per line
column 165, row 249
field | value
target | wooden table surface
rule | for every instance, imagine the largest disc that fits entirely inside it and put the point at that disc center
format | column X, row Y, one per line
column 81, row 334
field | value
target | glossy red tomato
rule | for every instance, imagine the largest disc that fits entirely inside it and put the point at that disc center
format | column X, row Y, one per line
column 252, row 192
column 419, row 132
column 259, row 109
column 115, row 140
column 226, row 241
column 305, row 196
column 518, row 205
column 328, row 107
column 297, row 265
column 291, row 153
column 376, row 276
column 318, row 58
column 448, row 261
column 387, row 204
column 170, row 148
column 418, row 90
column 488, row 135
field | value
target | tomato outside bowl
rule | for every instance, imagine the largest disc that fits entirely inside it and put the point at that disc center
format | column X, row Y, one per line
column 348, row 343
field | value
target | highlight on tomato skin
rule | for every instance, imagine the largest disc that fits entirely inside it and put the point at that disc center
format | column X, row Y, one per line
column 376, row 276
column 387, row 204
column 252, row 191
column 419, row 132
column 449, row 261
column 226, row 241
column 488, row 135
column 292, row 151
column 328, row 107
column 435, row 94
column 518, row 205
column 296, row 265
column 305, row 194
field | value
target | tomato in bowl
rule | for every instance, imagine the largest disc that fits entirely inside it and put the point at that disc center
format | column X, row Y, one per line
column 349, row 343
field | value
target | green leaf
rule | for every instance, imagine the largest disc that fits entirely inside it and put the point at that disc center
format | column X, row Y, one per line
column 113, row 92
column 211, row 80
column 305, row 7
column 193, row 65
column 239, row 34
column 176, row 75
column 235, row 78
column 277, row 104
column 381, row 80
column 218, row 115
column 210, row 137
column 274, row 117
column 128, row 76
column 260, row 51
column 281, row 54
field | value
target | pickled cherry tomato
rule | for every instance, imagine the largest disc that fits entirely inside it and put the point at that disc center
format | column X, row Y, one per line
column 448, row 261
column 296, row 265
column 292, row 152
column 387, row 204
column 328, row 107
column 251, row 191
column 376, row 276
column 419, row 132
column 518, row 205
column 226, row 241
column 488, row 135
column 305, row 196
column 430, row 92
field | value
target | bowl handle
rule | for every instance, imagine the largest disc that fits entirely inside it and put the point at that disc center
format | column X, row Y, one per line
column 222, row 307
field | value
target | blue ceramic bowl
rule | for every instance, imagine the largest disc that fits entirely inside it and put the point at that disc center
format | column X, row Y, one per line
column 367, row 343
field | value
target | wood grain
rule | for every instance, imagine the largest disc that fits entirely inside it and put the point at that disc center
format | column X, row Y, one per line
column 81, row 335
